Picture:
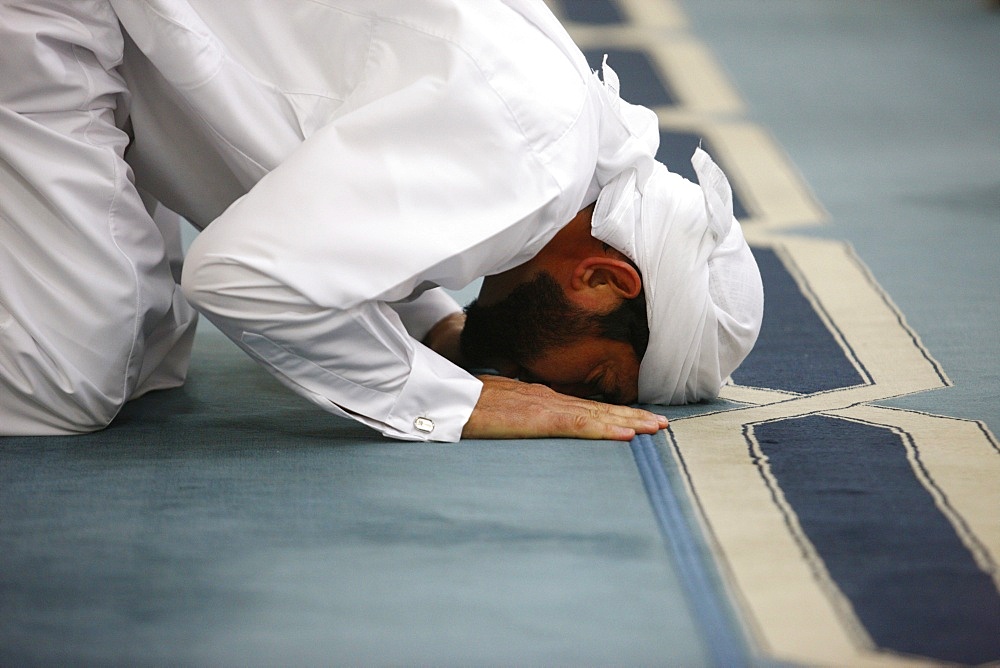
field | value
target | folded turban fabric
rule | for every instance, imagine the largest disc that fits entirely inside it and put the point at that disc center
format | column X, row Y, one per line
column 704, row 298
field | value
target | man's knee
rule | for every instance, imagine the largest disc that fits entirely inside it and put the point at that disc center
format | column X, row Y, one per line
column 55, row 405
column 43, row 391
column 47, row 387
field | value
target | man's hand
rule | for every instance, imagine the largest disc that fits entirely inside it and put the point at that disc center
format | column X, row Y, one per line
column 509, row 408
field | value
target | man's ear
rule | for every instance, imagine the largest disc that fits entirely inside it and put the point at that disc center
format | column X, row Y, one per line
column 603, row 274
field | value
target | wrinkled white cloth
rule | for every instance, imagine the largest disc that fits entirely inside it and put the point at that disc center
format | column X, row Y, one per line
column 90, row 311
column 383, row 148
column 704, row 297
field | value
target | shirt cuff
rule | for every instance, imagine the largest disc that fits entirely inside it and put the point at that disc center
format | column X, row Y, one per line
column 435, row 402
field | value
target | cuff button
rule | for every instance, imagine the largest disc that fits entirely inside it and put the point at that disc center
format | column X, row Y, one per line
column 423, row 424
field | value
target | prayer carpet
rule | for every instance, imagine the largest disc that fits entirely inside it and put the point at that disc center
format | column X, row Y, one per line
column 838, row 506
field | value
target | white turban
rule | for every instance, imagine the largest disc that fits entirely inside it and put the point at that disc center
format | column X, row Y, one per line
column 704, row 298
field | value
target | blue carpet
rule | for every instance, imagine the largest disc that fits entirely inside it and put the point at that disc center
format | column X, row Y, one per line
column 804, row 518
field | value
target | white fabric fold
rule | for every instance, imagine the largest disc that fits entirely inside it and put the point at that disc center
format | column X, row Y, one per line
column 614, row 214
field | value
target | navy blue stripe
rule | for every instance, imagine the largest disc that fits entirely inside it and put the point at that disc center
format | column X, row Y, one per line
column 640, row 83
column 592, row 11
column 911, row 580
column 724, row 642
column 795, row 350
column 675, row 151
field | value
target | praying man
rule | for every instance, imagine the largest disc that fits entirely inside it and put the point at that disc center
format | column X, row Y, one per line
column 347, row 162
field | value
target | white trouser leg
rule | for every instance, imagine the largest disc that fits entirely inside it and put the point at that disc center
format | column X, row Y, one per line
column 90, row 313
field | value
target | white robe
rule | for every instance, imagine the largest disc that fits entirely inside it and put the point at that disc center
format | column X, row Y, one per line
column 374, row 150
column 90, row 311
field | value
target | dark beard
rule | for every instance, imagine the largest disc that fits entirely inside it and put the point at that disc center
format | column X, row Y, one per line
column 533, row 318
column 536, row 316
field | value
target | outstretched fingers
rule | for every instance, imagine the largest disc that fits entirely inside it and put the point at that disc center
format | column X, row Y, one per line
column 509, row 408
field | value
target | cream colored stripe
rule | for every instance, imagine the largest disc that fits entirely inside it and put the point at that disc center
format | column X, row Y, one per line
column 843, row 290
column 765, row 177
column 695, row 76
column 771, row 188
column 689, row 69
column 662, row 14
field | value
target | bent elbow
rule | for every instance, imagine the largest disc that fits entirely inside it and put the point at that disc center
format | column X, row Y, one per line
column 222, row 286
column 238, row 289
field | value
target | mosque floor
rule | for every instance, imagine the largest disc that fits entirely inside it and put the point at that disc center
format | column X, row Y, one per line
column 838, row 506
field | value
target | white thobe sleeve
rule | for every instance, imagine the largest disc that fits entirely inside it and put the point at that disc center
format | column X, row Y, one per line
column 358, row 362
column 408, row 192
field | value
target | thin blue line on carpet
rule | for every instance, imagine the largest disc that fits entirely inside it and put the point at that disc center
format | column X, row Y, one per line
column 723, row 640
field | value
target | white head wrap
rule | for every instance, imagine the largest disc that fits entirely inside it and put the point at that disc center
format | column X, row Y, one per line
column 704, row 298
